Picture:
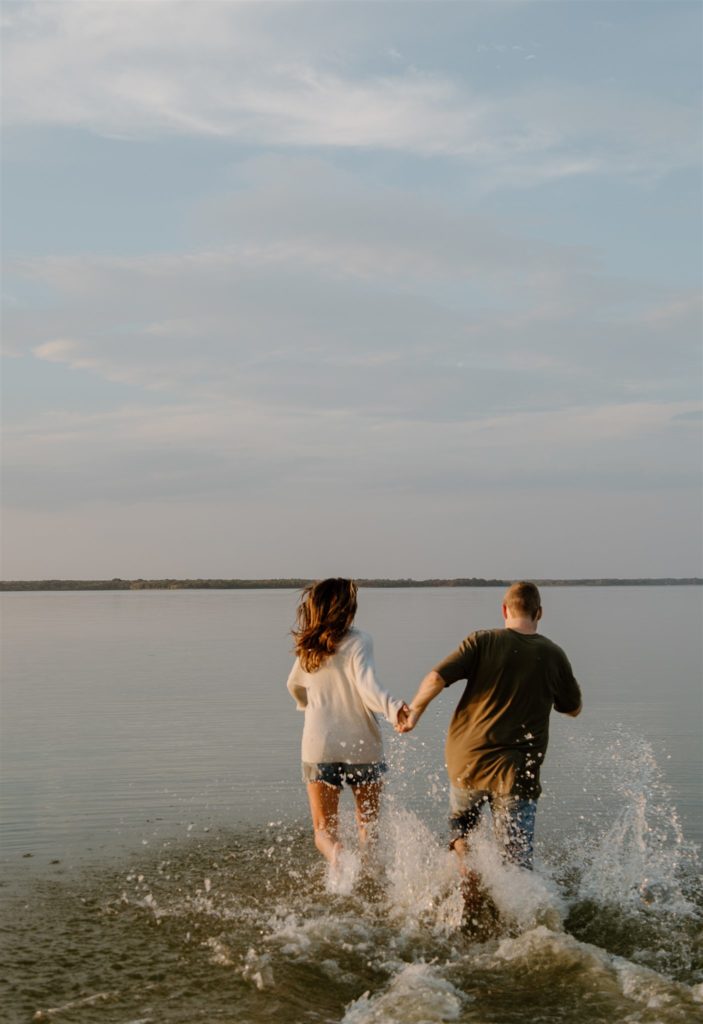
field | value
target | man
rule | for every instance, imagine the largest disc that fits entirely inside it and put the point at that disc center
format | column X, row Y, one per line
column 498, row 735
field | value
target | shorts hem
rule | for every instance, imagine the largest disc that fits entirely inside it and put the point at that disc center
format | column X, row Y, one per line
column 338, row 774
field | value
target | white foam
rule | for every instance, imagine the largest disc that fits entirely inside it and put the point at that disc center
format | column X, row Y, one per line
column 258, row 970
column 343, row 874
column 416, row 994
column 221, row 953
column 542, row 949
column 301, row 938
column 76, row 1004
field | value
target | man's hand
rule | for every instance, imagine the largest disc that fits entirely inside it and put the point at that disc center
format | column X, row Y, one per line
column 430, row 686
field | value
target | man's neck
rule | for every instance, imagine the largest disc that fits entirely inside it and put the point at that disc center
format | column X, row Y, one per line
column 526, row 626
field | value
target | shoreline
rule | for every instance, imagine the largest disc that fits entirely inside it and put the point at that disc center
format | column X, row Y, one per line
column 297, row 584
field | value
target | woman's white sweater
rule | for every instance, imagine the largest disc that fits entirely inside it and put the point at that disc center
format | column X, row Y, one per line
column 340, row 702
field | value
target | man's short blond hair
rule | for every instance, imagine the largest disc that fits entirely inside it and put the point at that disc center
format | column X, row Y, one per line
column 522, row 599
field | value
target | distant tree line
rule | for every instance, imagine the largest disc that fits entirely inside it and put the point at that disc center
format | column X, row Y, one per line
column 297, row 584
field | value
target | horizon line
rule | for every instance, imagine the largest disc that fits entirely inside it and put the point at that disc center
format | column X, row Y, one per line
column 294, row 582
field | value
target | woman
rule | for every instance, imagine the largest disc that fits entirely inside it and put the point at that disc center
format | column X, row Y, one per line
column 333, row 681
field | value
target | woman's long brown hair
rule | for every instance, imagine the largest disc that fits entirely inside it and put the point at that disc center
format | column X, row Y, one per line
column 325, row 614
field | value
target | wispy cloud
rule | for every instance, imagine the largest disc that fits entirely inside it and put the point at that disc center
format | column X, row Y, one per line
column 371, row 297
column 222, row 70
column 183, row 450
column 202, row 321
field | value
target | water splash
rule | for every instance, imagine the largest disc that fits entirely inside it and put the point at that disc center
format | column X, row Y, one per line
column 643, row 857
column 422, row 883
column 524, row 899
column 343, row 875
column 635, row 887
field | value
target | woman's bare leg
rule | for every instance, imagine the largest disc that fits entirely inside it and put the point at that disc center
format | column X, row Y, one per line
column 324, row 806
column 368, row 804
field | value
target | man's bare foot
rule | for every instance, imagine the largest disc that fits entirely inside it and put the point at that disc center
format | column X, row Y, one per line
column 480, row 918
column 472, row 891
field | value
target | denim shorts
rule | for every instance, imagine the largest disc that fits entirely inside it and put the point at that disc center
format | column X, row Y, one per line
column 336, row 773
column 513, row 820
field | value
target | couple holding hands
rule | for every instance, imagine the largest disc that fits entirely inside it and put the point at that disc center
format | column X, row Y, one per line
column 496, row 740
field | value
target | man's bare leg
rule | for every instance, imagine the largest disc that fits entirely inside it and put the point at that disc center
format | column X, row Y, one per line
column 470, row 880
column 324, row 807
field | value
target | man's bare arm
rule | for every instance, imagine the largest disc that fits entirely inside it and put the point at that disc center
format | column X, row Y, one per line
column 429, row 688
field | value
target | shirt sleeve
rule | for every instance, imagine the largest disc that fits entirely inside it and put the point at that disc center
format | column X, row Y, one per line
column 375, row 698
column 567, row 695
column 296, row 687
column 460, row 663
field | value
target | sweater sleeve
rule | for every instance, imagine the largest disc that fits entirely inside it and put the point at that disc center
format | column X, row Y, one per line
column 297, row 688
column 375, row 698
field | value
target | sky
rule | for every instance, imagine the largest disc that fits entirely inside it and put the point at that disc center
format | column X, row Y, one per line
column 345, row 288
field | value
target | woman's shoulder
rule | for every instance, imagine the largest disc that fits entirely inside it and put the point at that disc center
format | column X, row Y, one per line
column 356, row 639
column 352, row 638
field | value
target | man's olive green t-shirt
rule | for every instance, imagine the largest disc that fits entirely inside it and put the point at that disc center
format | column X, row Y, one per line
column 498, row 735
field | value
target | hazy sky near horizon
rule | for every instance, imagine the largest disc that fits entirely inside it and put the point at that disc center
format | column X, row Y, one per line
column 371, row 289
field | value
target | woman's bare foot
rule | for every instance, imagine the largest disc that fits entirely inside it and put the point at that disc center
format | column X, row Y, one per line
column 328, row 845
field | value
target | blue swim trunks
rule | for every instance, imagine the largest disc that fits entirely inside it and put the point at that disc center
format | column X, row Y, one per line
column 513, row 820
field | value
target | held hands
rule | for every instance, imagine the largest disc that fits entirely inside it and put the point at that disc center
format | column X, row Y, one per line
column 402, row 718
column 409, row 715
column 407, row 719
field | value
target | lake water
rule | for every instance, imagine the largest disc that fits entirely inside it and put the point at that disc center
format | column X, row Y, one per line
column 157, row 859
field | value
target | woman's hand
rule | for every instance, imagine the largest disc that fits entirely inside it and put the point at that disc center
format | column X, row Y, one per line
column 407, row 719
